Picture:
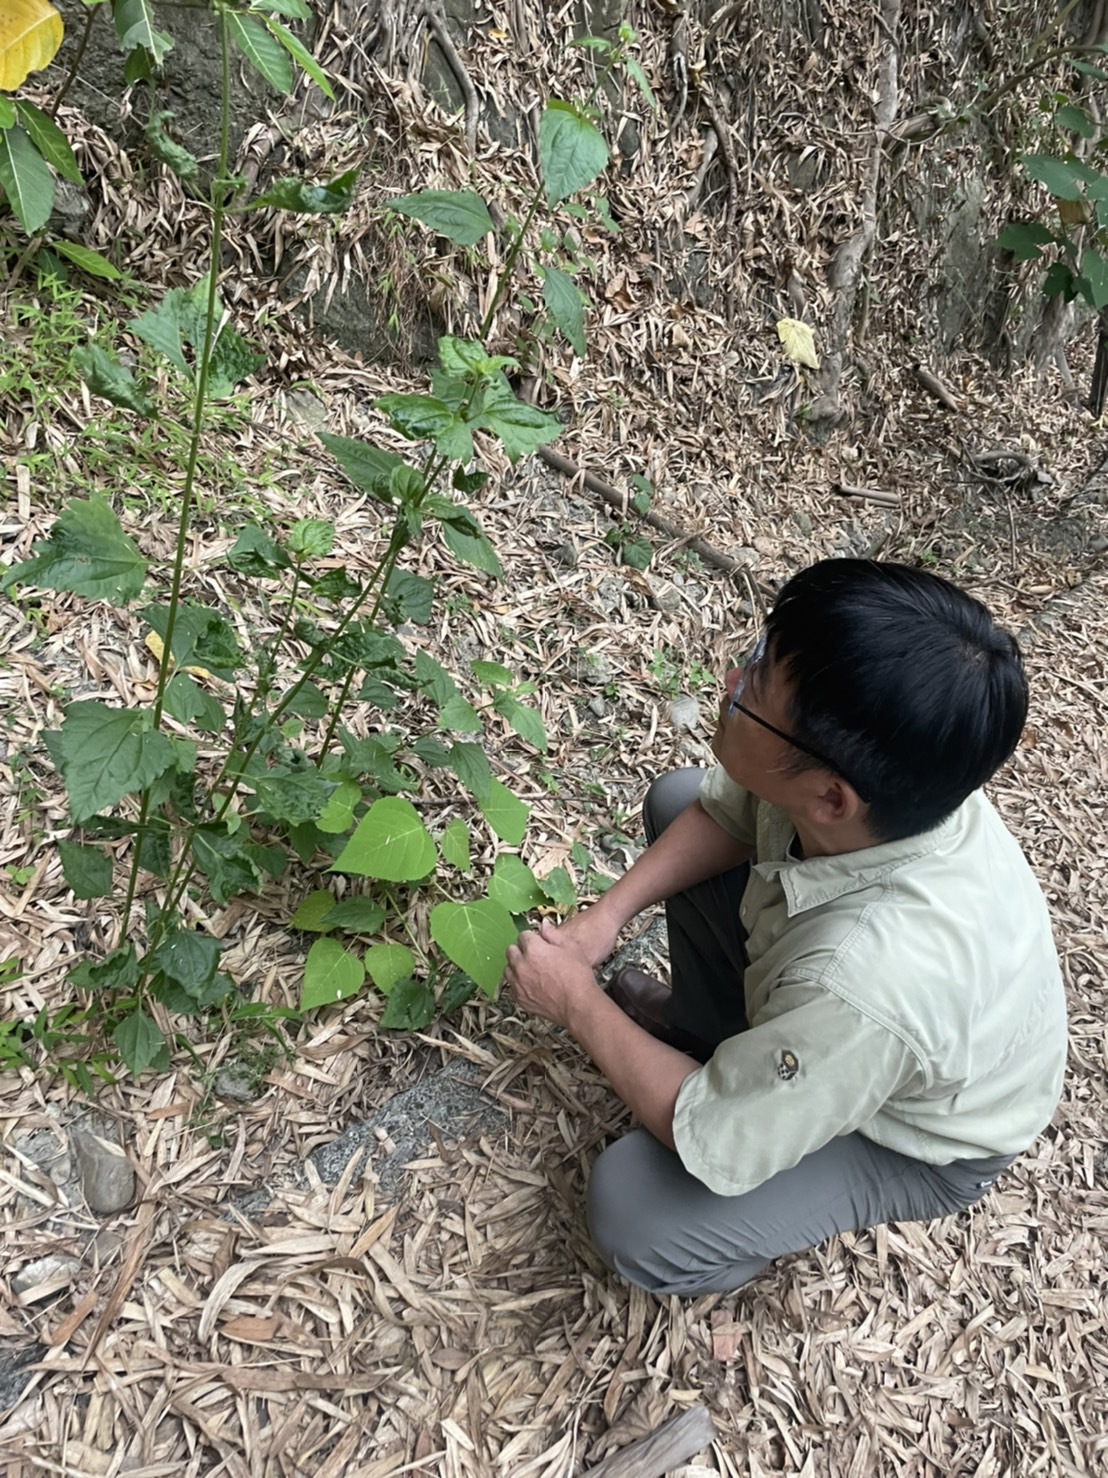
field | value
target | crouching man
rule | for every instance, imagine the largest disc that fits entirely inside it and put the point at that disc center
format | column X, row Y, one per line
column 867, row 1019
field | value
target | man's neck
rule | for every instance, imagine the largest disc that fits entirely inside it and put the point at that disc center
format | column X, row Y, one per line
column 831, row 841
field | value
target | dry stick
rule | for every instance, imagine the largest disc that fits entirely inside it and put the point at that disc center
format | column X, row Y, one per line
column 660, row 1452
column 867, row 495
column 723, row 135
column 436, row 20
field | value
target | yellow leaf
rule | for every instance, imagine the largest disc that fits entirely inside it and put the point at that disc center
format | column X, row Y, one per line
column 799, row 342
column 30, row 33
column 157, row 646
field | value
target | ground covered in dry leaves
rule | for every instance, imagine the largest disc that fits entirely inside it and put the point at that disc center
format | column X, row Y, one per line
column 246, row 1317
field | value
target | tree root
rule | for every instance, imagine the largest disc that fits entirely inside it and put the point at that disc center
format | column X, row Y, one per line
column 436, row 22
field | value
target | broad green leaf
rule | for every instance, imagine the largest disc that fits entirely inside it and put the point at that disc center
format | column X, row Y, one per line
column 293, row 10
column 107, row 377
column 8, row 114
column 558, row 888
column 521, row 428
column 189, row 959
column 189, row 704
column 161, row 328
column 468, row 359
column 638, row 76
column 300, row 53
column 1059, row 279
column 415, row 416
column 411, row 596
column 410, row 1007
column 459, row 717
column 290, row 796
column 140, row 1043
column 505, row 813
column 572, row 152
column 431, row 751
column 459, row 989
column 26, row 179
column 119, row 972
column 1076, row 120
column 513, row 884
column 163, row 146
column 373, row 759
column 1094, row 269
column 367, row 467
column 233, row 359
column 1058, row 175
column 257, row 554
column 635, row 552
column 471, row 765
column 475, row 937
column 312, row 200
column 87, row 260
column 1024, row 239
column 107, row 753
column 459, row 215
column 525, row 721
column 565, row 303
column 263, row 51
column 230, row 864
column 493, row 674
column 387, row 963
column 312, row 538
column 30, row 33
column 454, row 845
column 87, row 870
column 201, row 638
column 433, row 679
column 337, row 815
column 356, row 916
column 312, row 914
column 134, row 26
column 390, row 842
column 331, row 974
column 474, row 549
column 49, row 140
column 87, row 552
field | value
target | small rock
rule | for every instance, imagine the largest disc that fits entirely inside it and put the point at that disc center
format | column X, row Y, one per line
column 306, row 409
column 748, row 556
column 803, row 523
column 566, row 554
column 107, row 1243
column 1098, row 544
column 49, row 1150
column 45, row 1270
column 684, row 713
column 668, row 598
column 594, row 667
column 236, row 1083
column 598, row 707
column 107, row 1179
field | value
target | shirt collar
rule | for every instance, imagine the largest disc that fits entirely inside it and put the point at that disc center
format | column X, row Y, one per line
column 818, row 880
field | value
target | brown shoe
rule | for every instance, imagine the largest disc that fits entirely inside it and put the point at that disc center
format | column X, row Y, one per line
column 646, row 1001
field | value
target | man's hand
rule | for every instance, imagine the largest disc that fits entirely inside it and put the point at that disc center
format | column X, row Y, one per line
column 594, row 931
column 549, row 974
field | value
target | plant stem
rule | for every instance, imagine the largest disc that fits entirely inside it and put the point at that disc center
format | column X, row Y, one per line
column 72, row 73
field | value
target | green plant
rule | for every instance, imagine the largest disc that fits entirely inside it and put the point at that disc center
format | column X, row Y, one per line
column 626, row 537
column 289, row 774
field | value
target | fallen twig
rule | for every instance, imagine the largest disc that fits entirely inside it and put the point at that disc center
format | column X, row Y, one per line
column 867, row 495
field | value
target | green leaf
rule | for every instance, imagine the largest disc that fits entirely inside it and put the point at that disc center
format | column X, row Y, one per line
column 88, row 261
column 459, row 717
column 8, row 114
column 107, row 753
column 257, row 554
column 459, row 988
column 410, row 1007
column 1087, row 69
column 290, row 796
column 522, row 428
column 164, row 147
column 454, row 845
column 331, row 974
column 565, row 303
column 636, row 552
column 228, row 862
column 638, row 76
column 410, row 597
column 294, row 10
column 469, row 359
column 201, row 638
column 572, row 151
column 431, row 751
column 337, row 815
column 505, row 813
column 140, row 1043
column 161, row 328
column 105, row 376
column 87, row 870
column 233, row 359
column 1095, row 271
column 471, row 765
column 119, row 972
column 433, row 679
column 86, row 552
column 525, row 721
column 558, row 888
column 373, row 758
column 26, row 179
column 356, row 916
column 387, row 963
column 300, row 53
column 310, row 702
column 514, row 885
column 367, row 467
column 263, row 51
column 311, row 200
column 416, row 416
column 312, row 538
column 459, row 215
column 493, row 674
column 189, row 704
column 390, row 842
column 473, row 548
column 189, row 959
column 1058, row 175
column 1059, row 279
column 134, row 26
column 49, row 140
column 313, row 912
column 475, row 937
column 1076, row 120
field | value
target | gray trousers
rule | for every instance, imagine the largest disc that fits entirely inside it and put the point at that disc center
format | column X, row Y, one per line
column 663, row 1229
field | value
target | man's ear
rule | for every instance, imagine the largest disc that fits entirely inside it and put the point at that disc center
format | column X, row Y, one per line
column 835, row 802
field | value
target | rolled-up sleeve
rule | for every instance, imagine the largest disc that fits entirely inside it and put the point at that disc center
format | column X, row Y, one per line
column 815, row 1069
column 729, row 805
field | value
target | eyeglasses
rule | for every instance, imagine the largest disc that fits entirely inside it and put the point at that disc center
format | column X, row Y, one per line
column 736, row 706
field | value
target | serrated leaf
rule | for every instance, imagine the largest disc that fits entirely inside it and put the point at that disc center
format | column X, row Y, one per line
column 87, row 552
column 312, row 538
column 470, row 360
column 522, row 428
column 233, row 359
column 454, row 845
column 263, row 51
column 367, row 467
column 300, row 53
column 459, row 215
column 26, row 179
column 387, row 963
column 30, row 33
column 331, row 974
column 475, row 937
column 1076, row 120
column 572, row 151
column 140, row 1043
column 525, row 721
column 390, row 842
column 410, row 597
column 566, row 305
column 459, row 989
column 204, row 642
column 49, row 140
column 257, row 554
column 473, row 549
column 87, row 260
column 107, row 377
column 459, row 717
column 493, row 674
column 311, row 200
column 312, row 914
column 514, row 885
column 356, row 916
column 290, row 796
column 189, row 959
column 471, row 765
column 410, row 1007
column 107, row 753
column 505, row 813
column 134, row 26
column 799, row 342
column 229, row 863
column 433, row 679
column 87, row 870
column 415, row 416
column 161, row 328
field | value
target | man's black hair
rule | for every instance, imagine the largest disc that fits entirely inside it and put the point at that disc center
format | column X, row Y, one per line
column 902, row 679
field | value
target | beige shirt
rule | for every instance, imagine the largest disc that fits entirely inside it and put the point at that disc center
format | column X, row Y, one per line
column 910, row 991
